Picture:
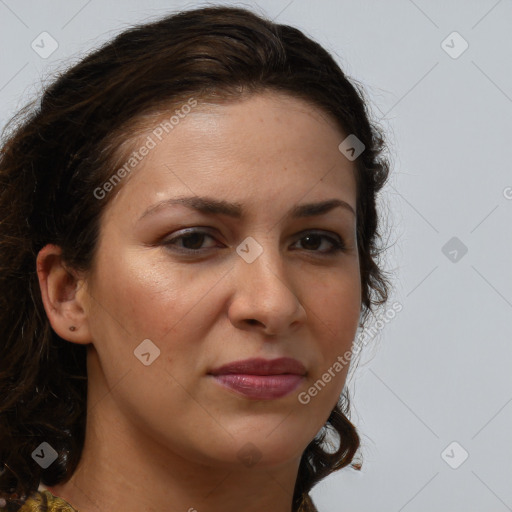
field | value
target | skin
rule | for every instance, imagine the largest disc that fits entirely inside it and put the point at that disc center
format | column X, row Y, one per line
column 167, row 434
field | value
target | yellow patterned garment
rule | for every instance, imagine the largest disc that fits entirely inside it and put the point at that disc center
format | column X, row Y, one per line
column 45, row 501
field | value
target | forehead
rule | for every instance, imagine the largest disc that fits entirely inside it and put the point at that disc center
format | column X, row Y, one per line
column 264, row 147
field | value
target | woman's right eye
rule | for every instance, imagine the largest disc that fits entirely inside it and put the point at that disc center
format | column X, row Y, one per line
column 190, row 240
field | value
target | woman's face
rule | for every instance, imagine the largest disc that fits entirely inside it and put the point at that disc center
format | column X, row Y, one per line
column 238, row 269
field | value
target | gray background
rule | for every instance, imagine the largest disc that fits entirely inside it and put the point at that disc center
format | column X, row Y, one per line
column 439, row 372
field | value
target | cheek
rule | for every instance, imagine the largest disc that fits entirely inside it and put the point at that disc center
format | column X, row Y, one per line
column 148, row 295
column 336, row 302
column 336, row 308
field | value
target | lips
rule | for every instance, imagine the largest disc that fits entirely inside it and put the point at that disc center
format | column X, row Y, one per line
column 261, row 379
column 283, row 365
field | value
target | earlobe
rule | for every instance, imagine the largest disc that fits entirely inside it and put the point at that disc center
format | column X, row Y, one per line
column 63, row 303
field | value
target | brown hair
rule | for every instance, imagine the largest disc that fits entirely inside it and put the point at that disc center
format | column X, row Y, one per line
column 57, row 152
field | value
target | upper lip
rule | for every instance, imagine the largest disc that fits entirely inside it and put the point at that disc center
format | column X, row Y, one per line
column 260, row 366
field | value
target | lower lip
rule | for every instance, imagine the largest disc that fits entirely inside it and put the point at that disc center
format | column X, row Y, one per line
column 260, row 387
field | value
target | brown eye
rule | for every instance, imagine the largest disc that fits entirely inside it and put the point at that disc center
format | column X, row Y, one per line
column 191, row 241
column 312, row 242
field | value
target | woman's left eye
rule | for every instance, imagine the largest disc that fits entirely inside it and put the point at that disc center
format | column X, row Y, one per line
column 336, row 243
column 192, row 241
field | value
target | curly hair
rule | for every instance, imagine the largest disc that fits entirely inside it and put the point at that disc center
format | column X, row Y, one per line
column 55, row 152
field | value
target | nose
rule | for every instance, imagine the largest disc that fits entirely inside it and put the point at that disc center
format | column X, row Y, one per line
column 264, row 296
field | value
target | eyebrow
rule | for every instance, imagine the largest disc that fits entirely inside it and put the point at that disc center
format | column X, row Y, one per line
column 212, row 206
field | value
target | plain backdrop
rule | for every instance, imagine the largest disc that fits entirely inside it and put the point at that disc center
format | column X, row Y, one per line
column 432, row 394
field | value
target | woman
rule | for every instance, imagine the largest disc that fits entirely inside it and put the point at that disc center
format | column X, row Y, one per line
column 188, row 245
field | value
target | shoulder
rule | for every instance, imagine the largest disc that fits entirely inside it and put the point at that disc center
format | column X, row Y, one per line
column 45, row 501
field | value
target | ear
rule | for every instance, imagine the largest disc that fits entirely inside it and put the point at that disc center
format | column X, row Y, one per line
column 64, row 296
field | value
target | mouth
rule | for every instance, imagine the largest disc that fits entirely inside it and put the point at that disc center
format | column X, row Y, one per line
column 261, row 379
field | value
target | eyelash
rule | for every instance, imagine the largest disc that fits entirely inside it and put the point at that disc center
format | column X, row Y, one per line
column 337, row 245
